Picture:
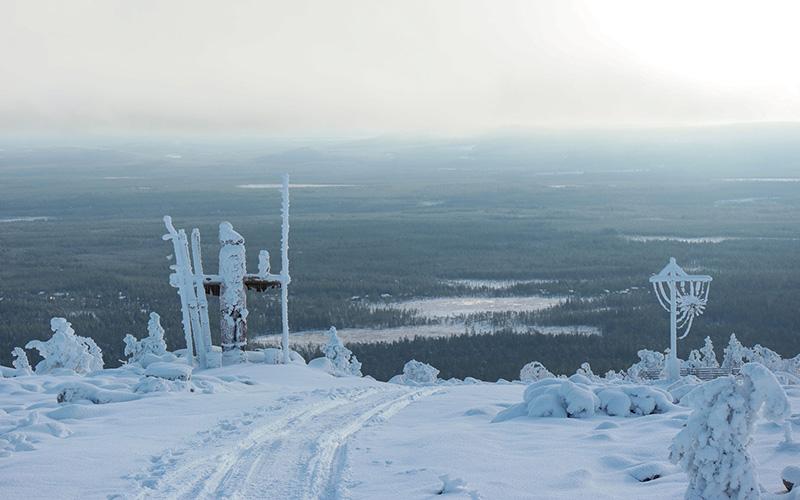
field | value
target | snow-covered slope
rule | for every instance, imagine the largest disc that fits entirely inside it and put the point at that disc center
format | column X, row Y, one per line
column 274, row 431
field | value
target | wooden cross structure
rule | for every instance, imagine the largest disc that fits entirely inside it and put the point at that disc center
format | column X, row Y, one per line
column 230, row 284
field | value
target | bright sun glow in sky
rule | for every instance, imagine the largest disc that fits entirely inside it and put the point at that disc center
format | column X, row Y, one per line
column 378, row 66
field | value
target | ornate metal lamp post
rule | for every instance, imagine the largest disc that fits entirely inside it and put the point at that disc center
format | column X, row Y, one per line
column 685, row 297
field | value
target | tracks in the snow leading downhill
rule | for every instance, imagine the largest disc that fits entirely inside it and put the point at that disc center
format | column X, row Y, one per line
column 292, row 450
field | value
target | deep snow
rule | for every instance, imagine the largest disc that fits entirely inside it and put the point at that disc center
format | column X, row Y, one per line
column 273, row 431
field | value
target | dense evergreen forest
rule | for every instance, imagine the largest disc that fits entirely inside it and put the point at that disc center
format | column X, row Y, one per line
column 403, row 226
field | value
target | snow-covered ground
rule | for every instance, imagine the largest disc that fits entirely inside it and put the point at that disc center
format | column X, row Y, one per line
column 274, row 431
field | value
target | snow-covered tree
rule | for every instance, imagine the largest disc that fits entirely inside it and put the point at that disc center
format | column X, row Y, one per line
column 649, row 361
column 708, row 356
column 152, row 344
column 735, row 354
column 21, row 362
column 705, row 357
column 534, row 371
column 67, row 351
column 713, row 447
column 343, row 361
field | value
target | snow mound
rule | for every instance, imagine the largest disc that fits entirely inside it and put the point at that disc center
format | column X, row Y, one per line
column 169, row 371
column 791, row 477
column 274, row 356
column 649, row 471
column 417, row 373
column 575, row 398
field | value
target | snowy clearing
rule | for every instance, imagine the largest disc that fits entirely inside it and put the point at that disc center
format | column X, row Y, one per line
column 496, row 284
column 367, row 335
column 293, row 186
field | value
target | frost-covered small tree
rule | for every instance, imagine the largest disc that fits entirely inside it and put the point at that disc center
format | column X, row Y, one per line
column 713, row 447
column 21, row 362
column 534, row 371
column 694, row 360
column 705, row 357
column 735, row 355
column 67, row 351
column 649, row 362
column 708, row 356
column 152, row 344
column 343, row 361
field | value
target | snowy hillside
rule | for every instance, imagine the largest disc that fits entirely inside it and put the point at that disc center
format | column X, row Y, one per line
column 256, row 430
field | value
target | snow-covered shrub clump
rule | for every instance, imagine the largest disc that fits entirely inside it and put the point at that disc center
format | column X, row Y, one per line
column 417, row 373
column 151, row 349
column 650, row 362
column 533, row 372
column 21, row 364
column 575, row 398
column 342, row 359
column 67, row 352
column 713, row 447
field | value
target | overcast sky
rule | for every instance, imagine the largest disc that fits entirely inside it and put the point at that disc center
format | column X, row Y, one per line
column 374, row 66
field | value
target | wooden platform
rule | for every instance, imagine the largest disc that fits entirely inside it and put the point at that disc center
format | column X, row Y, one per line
column 251, row 281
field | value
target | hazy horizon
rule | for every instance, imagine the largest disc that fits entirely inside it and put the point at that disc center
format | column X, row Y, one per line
column 360, row 68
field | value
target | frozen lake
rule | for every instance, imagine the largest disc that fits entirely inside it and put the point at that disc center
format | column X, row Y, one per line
column 444, row 307
column 24, row 219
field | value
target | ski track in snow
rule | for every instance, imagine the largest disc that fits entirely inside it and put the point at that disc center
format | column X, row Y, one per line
column 298, row 451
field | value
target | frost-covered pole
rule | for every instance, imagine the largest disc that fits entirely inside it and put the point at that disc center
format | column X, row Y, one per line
column 685, row 297
column 673, row 365
column 203, row 336
column 232, row 294
column 285, row 279
column 181, row 279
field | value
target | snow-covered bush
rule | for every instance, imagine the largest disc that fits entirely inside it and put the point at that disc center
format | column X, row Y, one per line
column 151, row 346
column 67, row 351
column 417, row 373
column 650, row 362
column 767, row 357
column 343, row 361
column 735, row 355
column 533, row 372
column 576, row 399
column 712, row 448
column 21, row 363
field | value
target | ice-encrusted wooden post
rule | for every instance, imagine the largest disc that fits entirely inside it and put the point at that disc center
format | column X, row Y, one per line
column 203, row 347
column 685, row 297
column 232, row 294
column 183, row 280
column 285, row 279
